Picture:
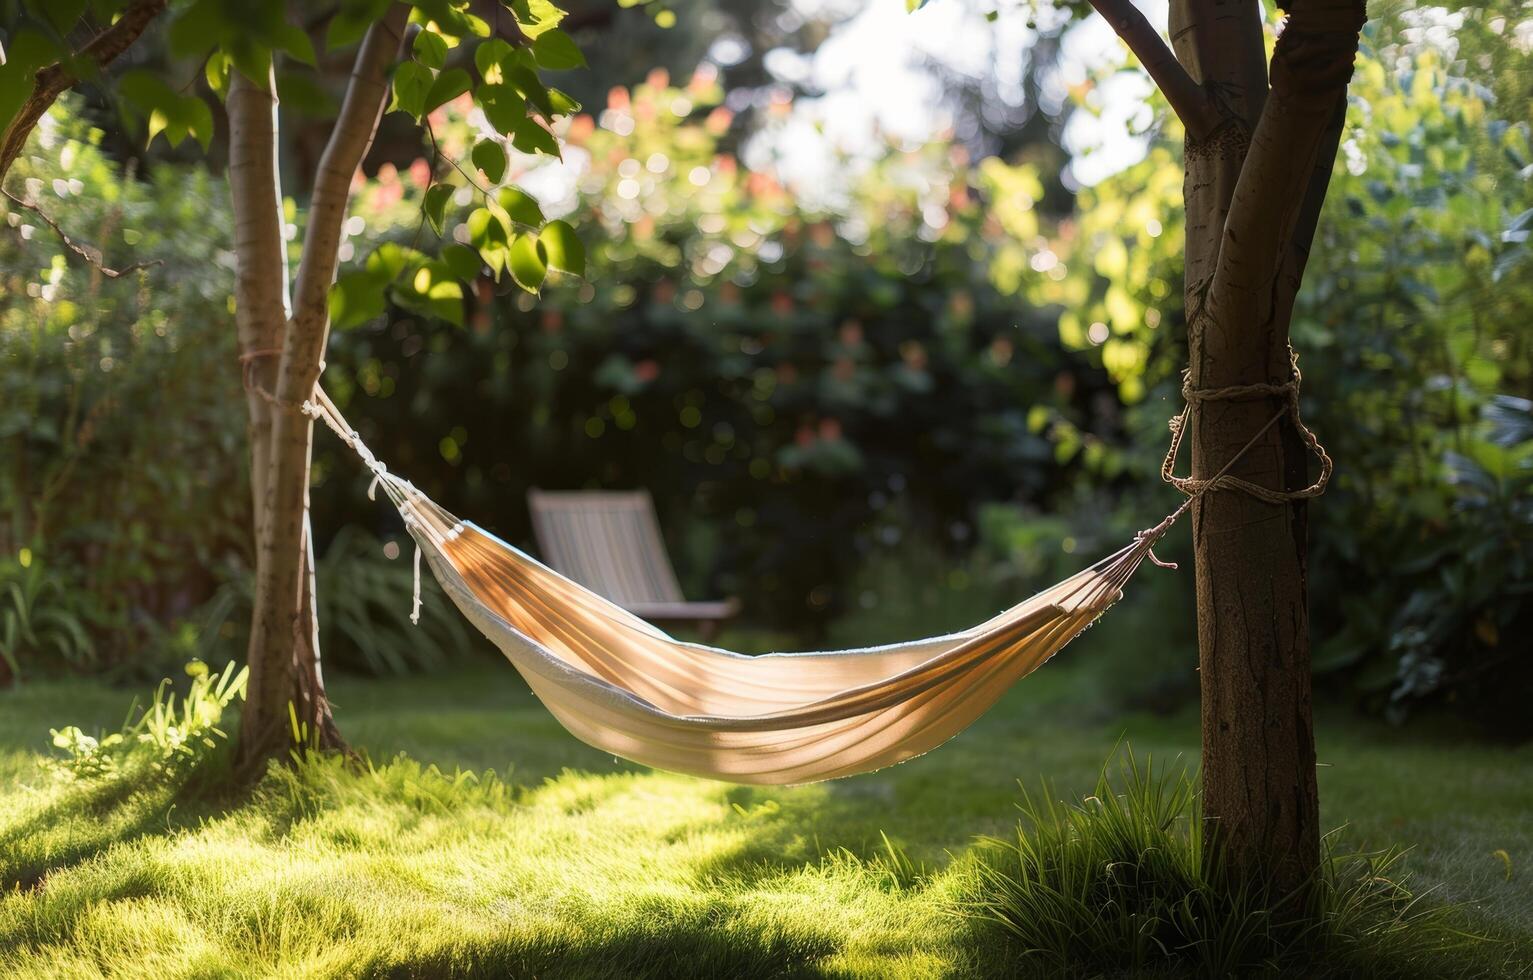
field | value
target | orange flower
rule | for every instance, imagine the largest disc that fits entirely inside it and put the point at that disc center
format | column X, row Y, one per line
column 718, row 121
column 580, row 129
column 420, row 173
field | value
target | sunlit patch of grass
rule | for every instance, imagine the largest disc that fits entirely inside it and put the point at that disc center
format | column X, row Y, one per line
column 571, row 864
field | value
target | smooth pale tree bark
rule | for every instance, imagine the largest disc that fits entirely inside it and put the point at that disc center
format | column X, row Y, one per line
column 1255, row 180
column 262, row 310
column 285, row 676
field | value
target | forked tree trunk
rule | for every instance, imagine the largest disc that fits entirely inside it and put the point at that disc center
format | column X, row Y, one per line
column 1253, row 193
column 284, row 349
column 262, row 311
column 1258, row 160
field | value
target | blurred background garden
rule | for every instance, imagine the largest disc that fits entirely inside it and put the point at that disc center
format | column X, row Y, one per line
column 884, row 310
column 889, row 329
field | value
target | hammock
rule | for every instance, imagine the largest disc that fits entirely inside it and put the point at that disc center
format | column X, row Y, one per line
column 618, row 683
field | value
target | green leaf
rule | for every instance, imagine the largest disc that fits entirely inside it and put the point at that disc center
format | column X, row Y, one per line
column 169, row 113
column 561, row 103
column 434, row 291
column 412, row 81
column 217, row 72
column 430, row 49
column 528, row 267
column 502, row 106
column 391, row 260
column 488, row 234
column 526, row 81
column 253, row 60
column 536, row 17
column 530, row 137
column 352, row 21
column 557, row 52
column 451, row 17
column 448, row 86
column 356, row 298
column 435, row 205
column 463, row 261
column 562, row 248
column 489, row 55
column 198, row 120
column 295, row 41
column 522, row 208
column 490, row 156
column 485, row 229
column 63, row 14
column 201, row 25
column 28, row 51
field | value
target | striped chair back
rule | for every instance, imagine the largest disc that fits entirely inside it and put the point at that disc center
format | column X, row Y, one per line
column 609, row 541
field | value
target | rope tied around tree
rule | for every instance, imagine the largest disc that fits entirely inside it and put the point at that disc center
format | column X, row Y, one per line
column 1224, row 480
column 321, row 408
column 1195, row 488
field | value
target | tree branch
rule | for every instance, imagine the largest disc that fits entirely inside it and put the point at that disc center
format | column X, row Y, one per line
column 90, row 253
column 350, row 140
column 1287, row 170
column 53, row 80
column 1189, row 101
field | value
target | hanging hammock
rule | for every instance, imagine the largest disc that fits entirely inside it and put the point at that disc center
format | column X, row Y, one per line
column 618, row 683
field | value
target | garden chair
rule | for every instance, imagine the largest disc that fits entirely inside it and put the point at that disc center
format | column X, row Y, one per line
column 609, row 542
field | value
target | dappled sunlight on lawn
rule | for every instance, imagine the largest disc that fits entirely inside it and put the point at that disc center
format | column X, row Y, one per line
column 580, row 865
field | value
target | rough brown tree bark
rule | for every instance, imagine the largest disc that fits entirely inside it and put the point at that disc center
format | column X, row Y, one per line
column 283, row 350
column 1255, row 180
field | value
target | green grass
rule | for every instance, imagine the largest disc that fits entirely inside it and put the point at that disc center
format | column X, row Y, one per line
column 572, row 863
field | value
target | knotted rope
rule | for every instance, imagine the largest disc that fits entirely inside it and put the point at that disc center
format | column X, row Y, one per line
column 401, row 492
column 1224, row 479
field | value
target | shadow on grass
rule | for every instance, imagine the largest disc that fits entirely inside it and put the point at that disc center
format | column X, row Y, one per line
column 87, row 818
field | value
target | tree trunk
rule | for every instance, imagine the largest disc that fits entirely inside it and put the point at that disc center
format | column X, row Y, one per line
column 286, row 681
column 1253, row 192
column 290, row 676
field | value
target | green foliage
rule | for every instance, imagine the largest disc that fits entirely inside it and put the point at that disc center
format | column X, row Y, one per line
column 38, row 620
column 1123, row 882
column 121, row 427
column 169, row 740
column 1417, row 366
column 749, row 359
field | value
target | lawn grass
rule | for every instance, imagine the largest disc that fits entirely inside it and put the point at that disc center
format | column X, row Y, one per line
column 572, row 863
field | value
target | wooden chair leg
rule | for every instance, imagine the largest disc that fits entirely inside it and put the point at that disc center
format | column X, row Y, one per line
column 708, row 629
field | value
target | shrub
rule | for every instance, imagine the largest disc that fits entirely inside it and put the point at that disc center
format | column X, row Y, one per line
column 121, row 418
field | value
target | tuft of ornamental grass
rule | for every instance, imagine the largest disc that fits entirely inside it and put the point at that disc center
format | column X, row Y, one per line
column 1122, row 882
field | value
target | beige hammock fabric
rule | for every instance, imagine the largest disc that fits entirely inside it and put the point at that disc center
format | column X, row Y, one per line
column 620, row 684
